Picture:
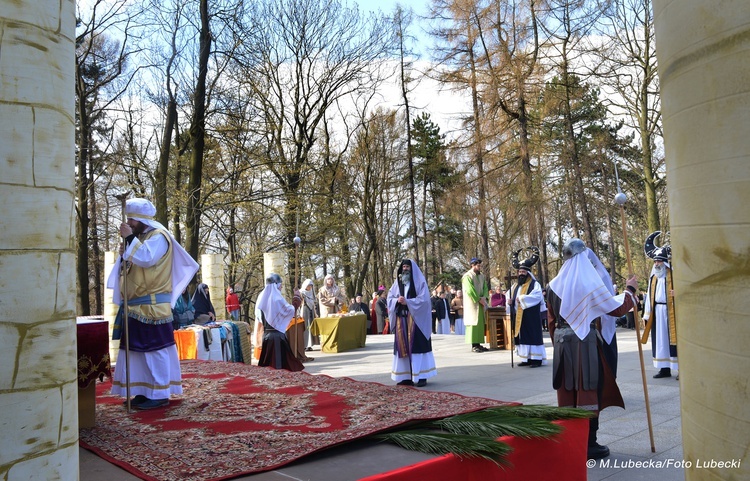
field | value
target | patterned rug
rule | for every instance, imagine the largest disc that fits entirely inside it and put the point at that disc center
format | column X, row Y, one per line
column 235, row 419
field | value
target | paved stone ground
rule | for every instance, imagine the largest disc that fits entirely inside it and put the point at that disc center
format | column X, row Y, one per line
column 488, row 375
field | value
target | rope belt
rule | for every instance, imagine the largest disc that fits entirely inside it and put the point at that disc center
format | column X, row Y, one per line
column 560, row 323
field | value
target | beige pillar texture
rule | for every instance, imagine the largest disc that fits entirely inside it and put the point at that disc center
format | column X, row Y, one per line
column 703, row 48
column 110, row 308
column 276, row 262
column 38, row 385
column 212, row 273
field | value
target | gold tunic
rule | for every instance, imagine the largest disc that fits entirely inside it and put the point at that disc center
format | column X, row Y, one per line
column 149, row 281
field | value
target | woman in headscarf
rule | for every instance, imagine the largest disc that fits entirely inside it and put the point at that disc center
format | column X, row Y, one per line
column 331, row 298
column 204, row 309
column 276, row 314
column 308, row 312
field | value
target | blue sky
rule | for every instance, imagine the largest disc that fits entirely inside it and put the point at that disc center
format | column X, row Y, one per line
column 388, row 6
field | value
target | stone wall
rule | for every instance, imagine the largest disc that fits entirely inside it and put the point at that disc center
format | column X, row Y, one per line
column 38, row 388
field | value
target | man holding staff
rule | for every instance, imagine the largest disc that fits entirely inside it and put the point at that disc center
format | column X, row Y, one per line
column 576, row 300
column 157, row 270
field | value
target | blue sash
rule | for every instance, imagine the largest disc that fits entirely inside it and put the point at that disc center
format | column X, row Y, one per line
column 161, row 298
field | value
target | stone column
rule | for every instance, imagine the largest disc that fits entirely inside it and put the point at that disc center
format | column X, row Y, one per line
column 38, row 385
column 110, row 308
column 276, row 262
column 212, row 273
column 703, row 47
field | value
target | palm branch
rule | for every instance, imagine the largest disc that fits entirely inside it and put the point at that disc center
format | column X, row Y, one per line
column 475, row 434
column 463, row 446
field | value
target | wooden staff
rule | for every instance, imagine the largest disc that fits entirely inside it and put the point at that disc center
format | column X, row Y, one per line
column 620, row 199
column 297, row 241
column 124, row 290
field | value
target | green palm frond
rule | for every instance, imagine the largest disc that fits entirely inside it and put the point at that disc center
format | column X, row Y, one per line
column 475, row 434
column 550, row 413
column 460, row 445
column 496, row 424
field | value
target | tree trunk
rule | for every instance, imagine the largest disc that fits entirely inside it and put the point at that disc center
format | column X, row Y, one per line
column 409, row 155
column 479, row 159
column 82, row 191
column 162, row 168
column 96, row 255
column 197, row 139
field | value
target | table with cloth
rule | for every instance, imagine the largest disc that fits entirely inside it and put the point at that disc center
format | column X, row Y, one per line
column 92, row 343
column 340, row 333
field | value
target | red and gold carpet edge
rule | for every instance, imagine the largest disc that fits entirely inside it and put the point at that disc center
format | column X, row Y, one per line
column 234, row 419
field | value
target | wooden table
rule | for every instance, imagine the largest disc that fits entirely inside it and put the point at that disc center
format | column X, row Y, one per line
column 93, row 363
column 498, row 328
column 340, row 333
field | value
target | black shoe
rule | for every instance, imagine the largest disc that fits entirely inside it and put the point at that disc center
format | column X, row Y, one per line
column 534, row 364
column 476, row 349
column 138, row 399
column 678, row 377
column 406, row 382
column 663, row 373
column 309, row 349
column 152, row 404
column 484, row 349
column 525, row 363
column 422, row 383
column 597, row 451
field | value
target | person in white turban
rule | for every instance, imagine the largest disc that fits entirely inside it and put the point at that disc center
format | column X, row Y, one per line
column 157, row 271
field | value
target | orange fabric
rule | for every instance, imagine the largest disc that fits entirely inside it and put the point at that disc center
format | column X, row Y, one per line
column 187, row 345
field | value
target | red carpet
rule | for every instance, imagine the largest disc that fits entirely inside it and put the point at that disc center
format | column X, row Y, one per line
column 237, row 419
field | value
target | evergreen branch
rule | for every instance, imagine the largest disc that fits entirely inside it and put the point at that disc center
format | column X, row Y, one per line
column 494, row 425
column 550, row 413
column 462, row 446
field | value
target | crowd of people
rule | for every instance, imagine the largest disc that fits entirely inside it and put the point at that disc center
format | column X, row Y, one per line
column 580, row 308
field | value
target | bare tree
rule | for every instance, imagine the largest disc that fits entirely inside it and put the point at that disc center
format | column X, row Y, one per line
column 628, row 66
column 101, row 78
column 299, row 57
column 401, row 21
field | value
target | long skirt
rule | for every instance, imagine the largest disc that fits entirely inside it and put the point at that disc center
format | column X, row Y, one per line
column 154, row 374
column 277, row 353
column 421, row 363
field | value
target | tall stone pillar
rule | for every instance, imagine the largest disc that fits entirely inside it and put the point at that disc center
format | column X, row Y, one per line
column 276, row 262
column 110, row 308
column 703, row 48
column 38, row 378
column 212, row 273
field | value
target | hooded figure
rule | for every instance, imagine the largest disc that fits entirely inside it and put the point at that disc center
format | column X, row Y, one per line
column 410, row 316
column 307, row 291
column 158, row 270
column 275, row 314
column 330, row 297
column 204, row 308
column 576, row 300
